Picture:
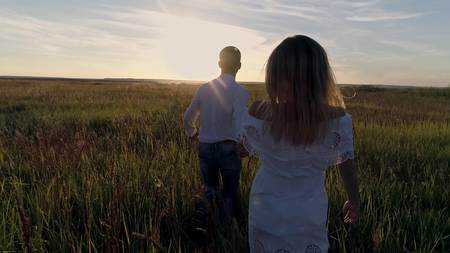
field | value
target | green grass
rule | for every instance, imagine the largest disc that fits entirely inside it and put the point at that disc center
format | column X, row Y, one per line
column 99, row 166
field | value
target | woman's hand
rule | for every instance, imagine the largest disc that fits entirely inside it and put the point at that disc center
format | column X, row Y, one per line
column 349, row 177
column 351, row 212
column 242, row 151
column 194, row 137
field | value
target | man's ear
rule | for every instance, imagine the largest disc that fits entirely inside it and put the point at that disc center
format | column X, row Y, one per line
column 239, row 66
column 220, row 64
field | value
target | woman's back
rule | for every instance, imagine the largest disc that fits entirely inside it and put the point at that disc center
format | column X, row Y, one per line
column 335, row 146
column 297, row 134
column 288, row 195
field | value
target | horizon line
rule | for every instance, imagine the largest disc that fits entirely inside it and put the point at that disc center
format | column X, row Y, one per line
column 117, row 79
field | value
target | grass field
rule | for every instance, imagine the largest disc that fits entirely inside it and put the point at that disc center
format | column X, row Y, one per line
column 90, row 166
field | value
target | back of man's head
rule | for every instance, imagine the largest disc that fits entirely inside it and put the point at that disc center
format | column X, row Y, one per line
column 230, row 59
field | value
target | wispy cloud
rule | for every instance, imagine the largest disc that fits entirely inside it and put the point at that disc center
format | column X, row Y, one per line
column 356, row 4
column 414, row 47
column 145, row 36
column 90, row 35
column 383, row 16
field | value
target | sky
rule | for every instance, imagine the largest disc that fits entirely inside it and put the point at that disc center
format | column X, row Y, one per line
column 399, row 42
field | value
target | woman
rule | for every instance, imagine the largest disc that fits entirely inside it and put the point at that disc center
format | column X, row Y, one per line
column 301, row 130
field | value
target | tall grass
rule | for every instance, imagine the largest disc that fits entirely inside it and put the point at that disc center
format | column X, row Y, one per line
column 94, row 167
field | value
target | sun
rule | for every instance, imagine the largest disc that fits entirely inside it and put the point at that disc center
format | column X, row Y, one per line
column 189, row 47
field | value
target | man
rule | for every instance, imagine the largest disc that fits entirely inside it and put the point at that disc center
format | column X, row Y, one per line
column 220, row 104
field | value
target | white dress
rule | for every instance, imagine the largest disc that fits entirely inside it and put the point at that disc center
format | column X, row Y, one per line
column 288, row 203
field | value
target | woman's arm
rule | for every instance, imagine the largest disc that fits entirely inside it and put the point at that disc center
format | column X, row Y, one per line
column 255, row 111
column 259, row 109
column 348, row 174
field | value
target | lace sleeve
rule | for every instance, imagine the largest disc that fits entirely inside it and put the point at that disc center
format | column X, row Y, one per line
column 345, row 146
column 246, row 139
column 249, row 135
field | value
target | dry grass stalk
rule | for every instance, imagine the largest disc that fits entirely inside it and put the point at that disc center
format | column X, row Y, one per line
column 26, row 224
column 116, row 211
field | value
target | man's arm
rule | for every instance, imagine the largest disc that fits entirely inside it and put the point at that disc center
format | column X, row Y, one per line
column 190, row 116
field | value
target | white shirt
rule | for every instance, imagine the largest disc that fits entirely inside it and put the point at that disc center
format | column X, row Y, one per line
column 220, row 104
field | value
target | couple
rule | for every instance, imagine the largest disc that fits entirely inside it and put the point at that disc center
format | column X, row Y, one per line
column 299, row 131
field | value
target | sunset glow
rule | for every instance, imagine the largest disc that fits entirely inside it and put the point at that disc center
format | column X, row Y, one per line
column 367, row 41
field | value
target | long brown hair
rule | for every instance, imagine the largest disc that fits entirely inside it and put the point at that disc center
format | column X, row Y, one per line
column 302, row 91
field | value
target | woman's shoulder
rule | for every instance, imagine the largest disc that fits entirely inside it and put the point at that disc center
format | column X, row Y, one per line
column 343, row 122
column 338, row 114
column 335, row 112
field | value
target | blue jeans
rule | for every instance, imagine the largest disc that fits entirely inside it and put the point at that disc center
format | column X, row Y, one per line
column 221, row 157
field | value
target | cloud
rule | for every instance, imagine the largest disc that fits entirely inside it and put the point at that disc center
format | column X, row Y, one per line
column 147, row 36
column 414, row 47
column 95, row 35
column 372, row 11
column 361, row 4
column 272, row 17
column 383, row 16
